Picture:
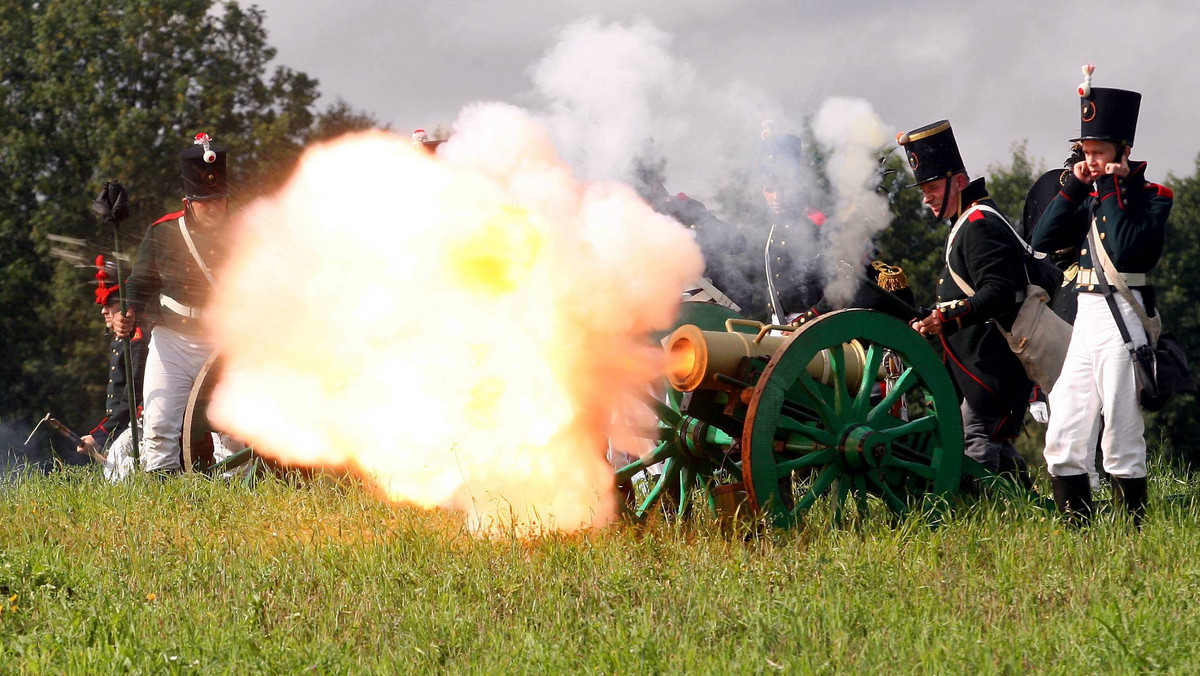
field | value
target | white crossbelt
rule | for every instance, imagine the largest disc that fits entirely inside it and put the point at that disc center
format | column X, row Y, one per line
column 177, row 307
column 1088, row 277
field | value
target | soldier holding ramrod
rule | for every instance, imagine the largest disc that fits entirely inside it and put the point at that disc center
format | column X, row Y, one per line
column 174, row 269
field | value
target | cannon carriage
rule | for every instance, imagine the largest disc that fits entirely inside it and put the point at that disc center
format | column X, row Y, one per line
column 851, row 409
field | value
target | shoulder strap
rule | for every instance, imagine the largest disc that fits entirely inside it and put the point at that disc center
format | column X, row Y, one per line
column 187, row 237
column 1112, row 302
column 1152, row 325
column 962, row 284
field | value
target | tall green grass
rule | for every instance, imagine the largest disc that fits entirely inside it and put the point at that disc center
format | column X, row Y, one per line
column 188, row 575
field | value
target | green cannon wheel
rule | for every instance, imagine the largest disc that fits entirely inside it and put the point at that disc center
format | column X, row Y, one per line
column 692, row 453
column 841, row 441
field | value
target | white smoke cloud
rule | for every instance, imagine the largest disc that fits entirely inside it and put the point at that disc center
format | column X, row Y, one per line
column 852, row 136
column 609, row 87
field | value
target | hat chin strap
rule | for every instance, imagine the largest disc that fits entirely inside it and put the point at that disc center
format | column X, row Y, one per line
column 941, row 215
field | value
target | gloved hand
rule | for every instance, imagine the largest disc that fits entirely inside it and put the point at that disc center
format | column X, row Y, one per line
column 1040, row 412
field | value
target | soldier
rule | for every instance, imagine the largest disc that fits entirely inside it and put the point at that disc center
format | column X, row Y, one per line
column 984, row 280
column 1108, row 194
column 724, row 281
column 174, row 270
column 793, row 252
column 111, row 441
column 1044, row 190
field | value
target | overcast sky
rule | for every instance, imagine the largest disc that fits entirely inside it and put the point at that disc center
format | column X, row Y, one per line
column 1000, row 71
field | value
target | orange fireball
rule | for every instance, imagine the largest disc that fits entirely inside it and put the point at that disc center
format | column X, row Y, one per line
column 458, row 327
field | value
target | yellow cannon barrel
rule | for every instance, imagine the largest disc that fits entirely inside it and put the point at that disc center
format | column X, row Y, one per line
column 695, row 357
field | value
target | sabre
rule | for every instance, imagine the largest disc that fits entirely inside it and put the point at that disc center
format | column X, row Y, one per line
column 112, row 205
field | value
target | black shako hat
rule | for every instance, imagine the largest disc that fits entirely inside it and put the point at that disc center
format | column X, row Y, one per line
column 781, row 160
column 203, row 170
column 1108, row 115
column 932, row 152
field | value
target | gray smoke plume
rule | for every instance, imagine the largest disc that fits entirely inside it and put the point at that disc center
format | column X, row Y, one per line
column 620, row 105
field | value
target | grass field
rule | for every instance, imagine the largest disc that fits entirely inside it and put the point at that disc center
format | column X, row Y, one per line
column 190, row 575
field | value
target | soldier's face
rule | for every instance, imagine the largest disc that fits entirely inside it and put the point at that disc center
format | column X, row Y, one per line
column 934, row 194
column 209, row 212
column 1097, row 154
column 108, row 311
column 771, row 195
column 941, row 192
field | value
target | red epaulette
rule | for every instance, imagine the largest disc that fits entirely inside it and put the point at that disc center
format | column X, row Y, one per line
column 976, row 215
column 169, row 217
column 1163, row 191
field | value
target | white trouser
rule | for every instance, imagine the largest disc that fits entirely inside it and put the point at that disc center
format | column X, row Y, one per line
column 1097, row 379
column 174, row 361
column 118, row 462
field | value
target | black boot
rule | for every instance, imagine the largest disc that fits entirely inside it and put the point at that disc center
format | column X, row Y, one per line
column 1131, row 493
column 1073, row 496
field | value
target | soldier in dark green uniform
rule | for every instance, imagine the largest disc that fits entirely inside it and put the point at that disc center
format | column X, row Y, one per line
column 1109, row 195
column 174, row 271
column 984, row 280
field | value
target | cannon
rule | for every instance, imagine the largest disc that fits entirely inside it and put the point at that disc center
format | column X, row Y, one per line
column 850, row 409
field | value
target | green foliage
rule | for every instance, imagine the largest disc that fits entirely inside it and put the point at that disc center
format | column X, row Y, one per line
column 1008, row 185
column 101, row 91
column 191, row 575
column 1177, row 283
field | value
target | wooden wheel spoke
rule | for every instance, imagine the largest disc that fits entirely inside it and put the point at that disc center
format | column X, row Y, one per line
column 927, row 423
column 904, row 383
column 656, row 432
column 815, row 459
column 862, row 398
column 824, row 410
column 911, row 467
column 816, row 434
column 889, row 496
column 669, row 473
column 652, row 458
column 824, row 480
column 841, row 395
column 687, row 480
column 860, row 491
column 843, row 491
column 663, row 410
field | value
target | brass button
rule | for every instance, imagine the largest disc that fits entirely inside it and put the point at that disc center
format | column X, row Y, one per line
column 1082, row 252
column 1091, row 286
column 1103, row 234
column 941, row 281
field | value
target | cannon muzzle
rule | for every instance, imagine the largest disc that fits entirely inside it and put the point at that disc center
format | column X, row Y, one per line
column 696, row 357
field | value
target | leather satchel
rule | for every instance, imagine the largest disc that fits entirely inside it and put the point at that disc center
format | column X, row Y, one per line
column 1039, row 338
column 1160, row 368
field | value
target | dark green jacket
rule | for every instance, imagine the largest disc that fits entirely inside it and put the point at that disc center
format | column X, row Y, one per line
column 165, row 266
column 1131, row 216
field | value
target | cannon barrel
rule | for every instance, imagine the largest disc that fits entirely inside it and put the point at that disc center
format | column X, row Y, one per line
column 695, row 357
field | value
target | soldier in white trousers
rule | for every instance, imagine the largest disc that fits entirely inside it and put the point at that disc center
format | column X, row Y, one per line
column 174, row 270
column 1127, row 215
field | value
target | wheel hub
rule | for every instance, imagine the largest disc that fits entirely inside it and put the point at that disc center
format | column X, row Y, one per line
column 861, row 447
